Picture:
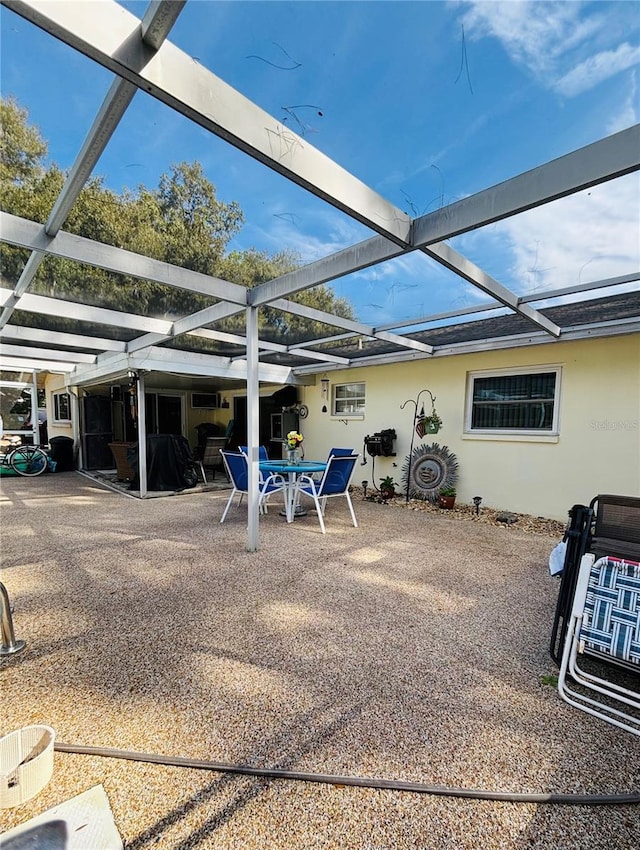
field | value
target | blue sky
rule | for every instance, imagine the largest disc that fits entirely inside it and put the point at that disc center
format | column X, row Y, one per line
column 426, row 102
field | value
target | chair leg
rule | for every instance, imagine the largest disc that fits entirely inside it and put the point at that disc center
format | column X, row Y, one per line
column 228, row 505
column 204, row 477
column 353, row 516
column 320, row 514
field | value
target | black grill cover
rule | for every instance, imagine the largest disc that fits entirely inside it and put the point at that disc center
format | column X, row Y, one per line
column 169, row 463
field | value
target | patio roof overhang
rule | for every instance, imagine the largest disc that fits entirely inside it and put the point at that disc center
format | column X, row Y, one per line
column 140, row 56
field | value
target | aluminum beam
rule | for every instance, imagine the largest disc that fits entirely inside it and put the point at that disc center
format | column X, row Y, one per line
column 22, row 364
column 108, row 34
column 487, row 306
column 46, row 306
column 596, row 163
column 348, row 324
column 27, row 334
column 448, row 257
column 29, row 351
column 27, row 234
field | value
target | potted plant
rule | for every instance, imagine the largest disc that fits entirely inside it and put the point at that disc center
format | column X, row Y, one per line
column 387, row 487
column 447, row 497
column 432, row 423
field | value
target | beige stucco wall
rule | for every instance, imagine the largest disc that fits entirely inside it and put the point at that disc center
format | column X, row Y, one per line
column 596, row 451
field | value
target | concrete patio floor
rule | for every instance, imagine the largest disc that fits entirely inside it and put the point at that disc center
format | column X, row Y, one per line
column 413, row 647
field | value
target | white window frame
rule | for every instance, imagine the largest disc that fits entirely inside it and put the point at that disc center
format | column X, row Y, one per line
column 55, row 397
column 524, row 432
column 358, row 413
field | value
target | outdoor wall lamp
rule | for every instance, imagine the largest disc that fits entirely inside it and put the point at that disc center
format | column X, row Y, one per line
column 324, row 385
column 225, row 403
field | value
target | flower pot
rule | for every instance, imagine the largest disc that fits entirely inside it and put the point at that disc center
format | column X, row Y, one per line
column 446, row 502
column 387, row 493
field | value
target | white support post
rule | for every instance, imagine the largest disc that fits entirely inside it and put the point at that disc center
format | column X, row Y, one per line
column 253, row 428
column 35, row 415
column 142, row 436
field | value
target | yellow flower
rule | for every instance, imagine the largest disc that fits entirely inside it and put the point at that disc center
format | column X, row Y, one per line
column 294, row 439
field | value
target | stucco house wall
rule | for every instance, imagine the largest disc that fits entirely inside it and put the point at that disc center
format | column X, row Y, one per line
column 596, row 449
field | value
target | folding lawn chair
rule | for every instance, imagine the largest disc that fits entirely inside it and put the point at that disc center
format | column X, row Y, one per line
column 605, row 624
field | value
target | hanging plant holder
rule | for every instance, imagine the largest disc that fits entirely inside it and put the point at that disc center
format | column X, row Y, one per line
column 427, row 470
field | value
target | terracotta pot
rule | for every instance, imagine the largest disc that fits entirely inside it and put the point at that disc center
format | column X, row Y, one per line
column 446, row 502
column 387, row 492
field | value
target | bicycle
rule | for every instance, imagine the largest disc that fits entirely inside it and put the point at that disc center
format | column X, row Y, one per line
column 25, row 460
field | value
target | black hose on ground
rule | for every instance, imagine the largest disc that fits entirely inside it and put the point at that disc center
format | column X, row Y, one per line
column 354, row 781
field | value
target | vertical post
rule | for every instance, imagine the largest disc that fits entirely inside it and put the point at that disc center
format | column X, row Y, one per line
column 142, row 436
column 9, row 645
column 35, row 413
column 75, row 425
column 253, row 427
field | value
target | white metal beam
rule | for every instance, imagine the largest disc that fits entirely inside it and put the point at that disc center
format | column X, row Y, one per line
column 23, row 364
column 27, row 334
column 108, row 34
column 349, row 324
column 30, row 352
column 28, row 234
column 599, row 162
column 596, row 163
column 46, row 306
column 448, row 257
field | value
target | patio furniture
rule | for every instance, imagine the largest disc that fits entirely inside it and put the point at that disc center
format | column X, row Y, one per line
column 610, row 525
column 119, row 449
column 211, row 457
column 334, row 482
column 605, row 623
column 291, row 470
column 237, row 468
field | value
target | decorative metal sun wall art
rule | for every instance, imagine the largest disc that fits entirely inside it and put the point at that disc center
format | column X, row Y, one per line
column 427, row 469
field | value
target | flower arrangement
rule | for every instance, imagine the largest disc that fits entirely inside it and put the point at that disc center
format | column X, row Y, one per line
column 294, row 439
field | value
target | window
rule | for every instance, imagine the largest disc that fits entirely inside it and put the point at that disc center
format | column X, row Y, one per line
column 514, row 402
column 61, row 407
column 204, row 401
column 348, row 400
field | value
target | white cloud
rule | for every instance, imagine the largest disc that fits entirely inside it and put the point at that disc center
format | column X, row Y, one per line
column 592, row 235
column 597, row 68
column 566, row 45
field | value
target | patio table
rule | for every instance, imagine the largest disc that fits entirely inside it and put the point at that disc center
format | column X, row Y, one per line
column 292, row 470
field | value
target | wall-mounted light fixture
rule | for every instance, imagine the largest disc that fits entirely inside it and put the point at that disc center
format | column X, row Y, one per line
column 324, row 385
column 224, row 403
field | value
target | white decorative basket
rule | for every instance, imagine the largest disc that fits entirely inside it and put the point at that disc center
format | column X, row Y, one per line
column 26, row 764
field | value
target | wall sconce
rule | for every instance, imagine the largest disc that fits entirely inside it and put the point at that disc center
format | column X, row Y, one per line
column 324, row 384
column 224, row 404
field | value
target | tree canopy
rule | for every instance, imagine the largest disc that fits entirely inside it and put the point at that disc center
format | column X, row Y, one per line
column 181, row 222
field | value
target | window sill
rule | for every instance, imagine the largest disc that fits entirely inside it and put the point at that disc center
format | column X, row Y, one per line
column 339, row 416
column 528, row 437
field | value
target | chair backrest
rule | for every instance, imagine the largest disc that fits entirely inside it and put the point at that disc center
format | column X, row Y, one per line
column 337, row 475
column 340, row 452
column 212, row 449
column 236, row 464
column 610, row 624
column 617, row 526
column 262, row 452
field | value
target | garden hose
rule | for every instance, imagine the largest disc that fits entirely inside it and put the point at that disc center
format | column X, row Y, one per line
column 354, row 781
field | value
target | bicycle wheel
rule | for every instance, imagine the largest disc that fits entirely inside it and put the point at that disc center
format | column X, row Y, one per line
column 28, row 460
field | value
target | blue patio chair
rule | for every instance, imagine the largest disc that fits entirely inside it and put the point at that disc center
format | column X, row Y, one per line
column 238, row 471
column 262, row 453
column 334, row 482
column 604, row 624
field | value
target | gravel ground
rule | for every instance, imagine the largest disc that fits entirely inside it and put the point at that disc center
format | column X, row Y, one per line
column 413, row 647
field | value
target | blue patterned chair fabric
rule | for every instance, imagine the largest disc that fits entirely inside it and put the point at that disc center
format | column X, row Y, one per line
column 605, row 623
column 611, row 619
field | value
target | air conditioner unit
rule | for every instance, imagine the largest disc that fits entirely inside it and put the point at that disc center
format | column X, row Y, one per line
column 205, row 401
